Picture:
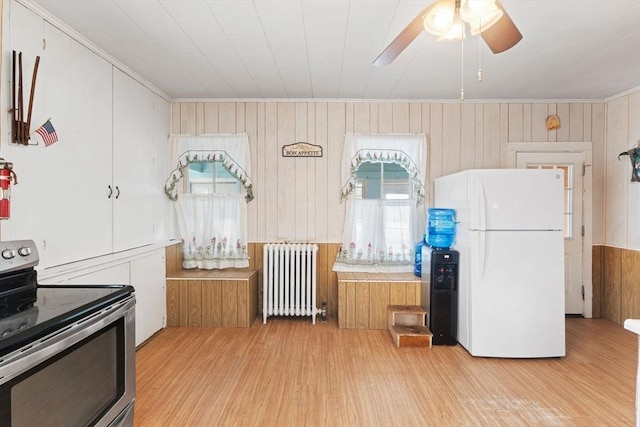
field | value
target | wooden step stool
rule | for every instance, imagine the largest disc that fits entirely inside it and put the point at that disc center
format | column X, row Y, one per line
column 406, row 325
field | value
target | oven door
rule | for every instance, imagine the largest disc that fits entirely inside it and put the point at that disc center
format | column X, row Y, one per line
column 81, row 375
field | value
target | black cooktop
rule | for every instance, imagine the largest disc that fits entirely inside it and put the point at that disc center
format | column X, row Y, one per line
column 28, row 311
column 45, row 309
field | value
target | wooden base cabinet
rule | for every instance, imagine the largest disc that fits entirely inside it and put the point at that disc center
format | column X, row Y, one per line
column 224, row 299
column 363, row 297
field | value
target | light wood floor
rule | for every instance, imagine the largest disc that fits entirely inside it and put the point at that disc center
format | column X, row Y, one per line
column 292, row 373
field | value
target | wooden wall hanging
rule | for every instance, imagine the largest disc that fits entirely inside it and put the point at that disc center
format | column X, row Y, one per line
column 552, row 122
column 301, row 149
column 20, row 127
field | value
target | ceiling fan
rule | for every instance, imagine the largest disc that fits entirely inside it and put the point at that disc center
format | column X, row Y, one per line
column 447, row 19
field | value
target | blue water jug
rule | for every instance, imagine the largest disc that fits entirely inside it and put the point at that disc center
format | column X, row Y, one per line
column 441, row 227
column 417, row 257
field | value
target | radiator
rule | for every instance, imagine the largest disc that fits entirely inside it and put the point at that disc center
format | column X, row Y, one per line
column 289, row 280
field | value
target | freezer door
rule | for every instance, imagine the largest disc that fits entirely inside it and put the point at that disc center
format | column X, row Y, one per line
column 515, row 294
column 516, row 199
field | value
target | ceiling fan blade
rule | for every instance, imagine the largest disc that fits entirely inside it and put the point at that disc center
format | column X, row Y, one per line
column 403, row 39
column 503, row 35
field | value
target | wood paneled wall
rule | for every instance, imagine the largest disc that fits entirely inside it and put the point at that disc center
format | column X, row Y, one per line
column 224, row 298
column 363, row 298
column 615, row 272
column 621, row 202
column 616, row 262
column 299, row 198
column 327, row 280
column 616, row 283
column 597, row 278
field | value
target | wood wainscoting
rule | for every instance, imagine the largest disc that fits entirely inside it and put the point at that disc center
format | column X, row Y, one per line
column 212, row 298
column 364, row 297
column 327, row 279
column 616, row 283
column 616, row 278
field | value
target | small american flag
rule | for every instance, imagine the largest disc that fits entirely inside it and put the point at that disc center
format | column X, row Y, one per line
column 48, row 133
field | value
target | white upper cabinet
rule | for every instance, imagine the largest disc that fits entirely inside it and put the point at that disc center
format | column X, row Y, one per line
column 140, row 132
column 56, row 202
column 100, row 188
column 76, row 94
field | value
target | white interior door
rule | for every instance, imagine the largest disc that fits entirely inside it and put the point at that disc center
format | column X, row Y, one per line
column 572, row 165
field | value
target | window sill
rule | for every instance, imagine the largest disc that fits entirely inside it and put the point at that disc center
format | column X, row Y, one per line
column 341, row 267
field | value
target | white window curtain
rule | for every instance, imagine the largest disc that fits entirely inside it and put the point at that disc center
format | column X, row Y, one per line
column 214, row 230
column 213, row 227
column 380, row 234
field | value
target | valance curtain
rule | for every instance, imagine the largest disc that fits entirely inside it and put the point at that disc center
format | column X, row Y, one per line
column 380, row 234
column 232, row 150
column 406, row 150
column 213, row 227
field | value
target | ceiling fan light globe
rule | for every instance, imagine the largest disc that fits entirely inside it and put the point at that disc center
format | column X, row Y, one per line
column 486, row 21
column 440, row 18
column 472, row 10
column 456, row 33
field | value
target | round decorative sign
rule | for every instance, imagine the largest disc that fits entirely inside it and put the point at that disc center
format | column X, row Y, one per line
column 553, row 122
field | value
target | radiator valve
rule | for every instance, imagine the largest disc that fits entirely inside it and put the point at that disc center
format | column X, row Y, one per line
column 323, row 312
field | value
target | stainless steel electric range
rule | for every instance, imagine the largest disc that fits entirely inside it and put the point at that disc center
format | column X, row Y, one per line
column 67, row 353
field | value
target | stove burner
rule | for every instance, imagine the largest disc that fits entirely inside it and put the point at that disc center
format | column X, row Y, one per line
column 17, row 291
column 17, row 300
column 18, row 322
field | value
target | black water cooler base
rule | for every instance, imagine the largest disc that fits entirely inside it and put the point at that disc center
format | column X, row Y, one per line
column 444, row 297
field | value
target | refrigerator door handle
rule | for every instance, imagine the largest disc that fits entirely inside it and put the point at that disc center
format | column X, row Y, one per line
column 482, row 211
column 478, row 208
column 480, row 249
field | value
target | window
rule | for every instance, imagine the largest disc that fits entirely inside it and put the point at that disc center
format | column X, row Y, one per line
column 211, row 187
column 388, row 181
column 568, row 194
column 383, row 191
column 210, row 178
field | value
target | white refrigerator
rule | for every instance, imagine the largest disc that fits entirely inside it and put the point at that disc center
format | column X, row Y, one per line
column 511, row 272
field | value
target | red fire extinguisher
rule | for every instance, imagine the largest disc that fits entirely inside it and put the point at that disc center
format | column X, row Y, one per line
column 6, row 176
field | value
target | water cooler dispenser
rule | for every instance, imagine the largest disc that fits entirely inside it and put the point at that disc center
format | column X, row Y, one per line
column 443, row 309
column 440, row 277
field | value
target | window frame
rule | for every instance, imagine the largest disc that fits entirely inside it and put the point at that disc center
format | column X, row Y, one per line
column 362, row 185
column 217, row 167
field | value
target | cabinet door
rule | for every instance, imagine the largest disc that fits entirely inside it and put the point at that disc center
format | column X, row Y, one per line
column 83, row 156
column 61, row 200
column 149, row 280
column 140, row 131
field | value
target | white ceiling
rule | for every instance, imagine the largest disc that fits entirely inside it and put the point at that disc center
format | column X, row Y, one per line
column 324, row 49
